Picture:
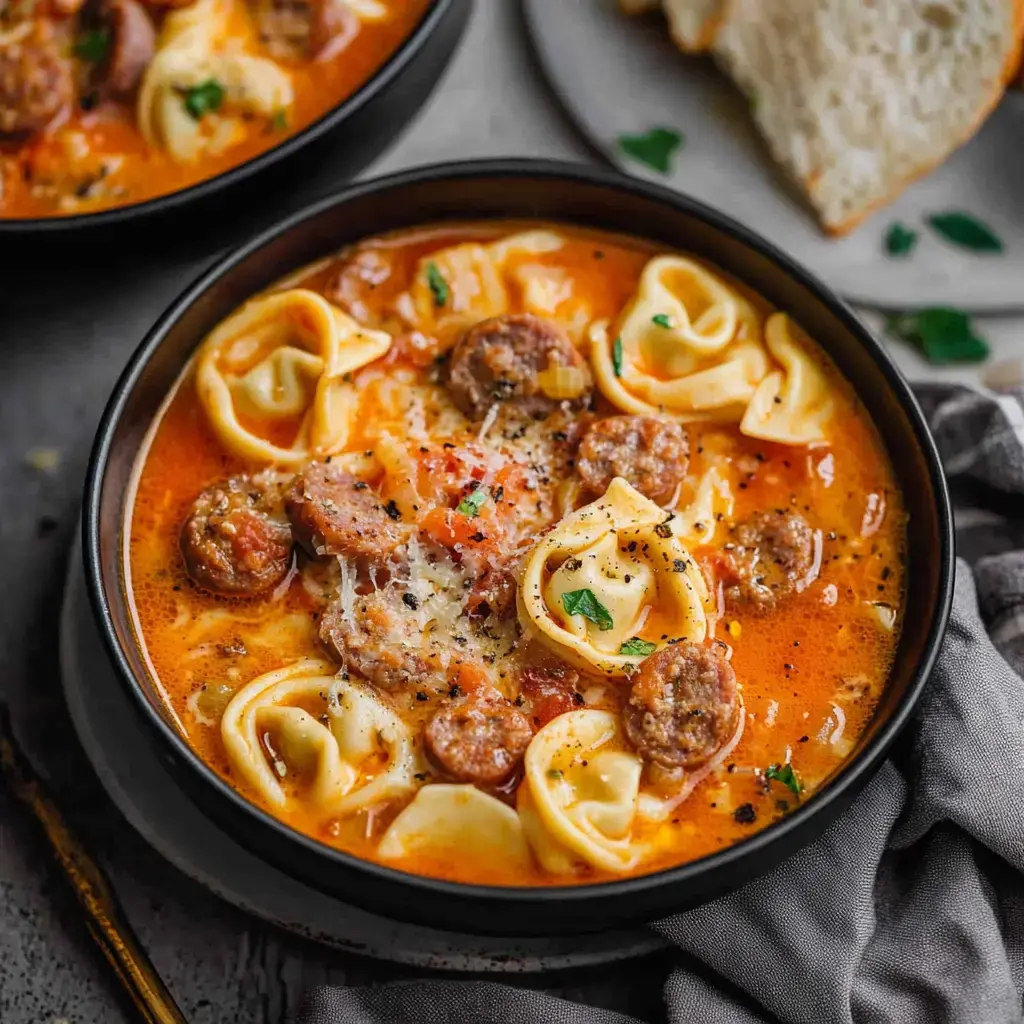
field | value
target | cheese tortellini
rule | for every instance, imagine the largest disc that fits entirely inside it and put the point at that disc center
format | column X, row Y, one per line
column 791, row 405
column 687, row 345
column 276, row 740
column 613, row 571
column 579, row 798
column 282, row 359
column 207, row 81
column 460, row 286
column 461, row 821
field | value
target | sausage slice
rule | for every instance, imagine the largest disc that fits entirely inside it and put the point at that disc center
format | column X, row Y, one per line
column 333, row 513
column 682, row 706
column 650, row 453
column 36, row 77
column 235, row 541
column 766, row 558
column 376, row 640
column 480, row 739
column 500, row 360
column 132, row 47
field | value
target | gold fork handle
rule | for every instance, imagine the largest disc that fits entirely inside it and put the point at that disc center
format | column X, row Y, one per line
column 104, row 916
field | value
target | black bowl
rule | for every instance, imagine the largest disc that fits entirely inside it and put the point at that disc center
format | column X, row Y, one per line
column 522, row 189
column 357, row 129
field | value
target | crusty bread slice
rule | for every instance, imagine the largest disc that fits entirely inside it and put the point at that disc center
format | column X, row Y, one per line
column 692, row 23
column 856, row 99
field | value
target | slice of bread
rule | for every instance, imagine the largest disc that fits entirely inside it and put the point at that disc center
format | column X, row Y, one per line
column 692, row 23
column 857, row 98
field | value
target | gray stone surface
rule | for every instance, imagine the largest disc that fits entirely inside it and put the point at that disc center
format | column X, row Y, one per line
column 64, row 337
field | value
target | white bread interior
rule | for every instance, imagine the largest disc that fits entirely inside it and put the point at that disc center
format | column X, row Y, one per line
column 857, row 98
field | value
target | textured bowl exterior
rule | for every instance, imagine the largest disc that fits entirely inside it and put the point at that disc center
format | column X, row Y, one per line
column 521, row 189
column 360, row 128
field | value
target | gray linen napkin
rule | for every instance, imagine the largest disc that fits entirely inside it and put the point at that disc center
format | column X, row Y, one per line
column 908, row 909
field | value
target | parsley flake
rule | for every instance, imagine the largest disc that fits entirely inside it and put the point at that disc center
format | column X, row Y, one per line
column 472, row 503
column 965, row 231
column 900, row 240
column 94, row 46
column 637, row 647
column 438, row 285
column 654, row 148
column 204, row 98
column 661, row 319
column 279, row 121
column 584, row 602
column 617, row 357
column 943, row 334
column 784, row 773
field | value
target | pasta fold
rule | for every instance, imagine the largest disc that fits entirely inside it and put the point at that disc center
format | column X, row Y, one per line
column 580, row 794
column 623, row 551
column 362, row 755
column 794, row 404
column 461, row 821
column 462, row 285
column 687, row 345
column 209, row 46
column 282, row 360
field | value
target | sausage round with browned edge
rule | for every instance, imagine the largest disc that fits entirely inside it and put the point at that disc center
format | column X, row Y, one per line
column 650, row 453
column 334, row 513
column 501, row 360
column 235, row 541
column 36, row 77
column 767, row 557
column 479, row 739
column 682, row 705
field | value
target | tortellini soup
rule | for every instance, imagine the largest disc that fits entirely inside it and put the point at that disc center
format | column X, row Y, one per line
column 106, row 104
column 517, row 554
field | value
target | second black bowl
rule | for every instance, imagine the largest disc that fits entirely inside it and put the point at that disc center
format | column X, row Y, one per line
column 512, row 189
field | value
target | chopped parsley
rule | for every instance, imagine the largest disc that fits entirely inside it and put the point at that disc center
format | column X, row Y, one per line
column 617, row 357
column 661, row 319
column 943, row 334
column 472, row 503
column 554, row 773
column 204, row 98
column 637, row 647
column 965, row 231
column 654, row 148
column 900, row 240
column 94, row 46
column 784, row 773
column 584, row 602
column 438, row 285
column 280, row 120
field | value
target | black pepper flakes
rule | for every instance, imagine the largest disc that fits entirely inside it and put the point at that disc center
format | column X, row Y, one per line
column 745, row 814
column 410, row 600
column 420, row 695
column 393, row 510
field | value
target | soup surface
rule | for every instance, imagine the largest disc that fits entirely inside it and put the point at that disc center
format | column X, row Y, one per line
column 515, row 553
column 106, row 103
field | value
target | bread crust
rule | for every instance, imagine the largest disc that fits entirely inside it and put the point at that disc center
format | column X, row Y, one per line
column 1012, row 68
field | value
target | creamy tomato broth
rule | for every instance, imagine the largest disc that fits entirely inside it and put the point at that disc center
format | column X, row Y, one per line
column 105, row 103
column 518, row 554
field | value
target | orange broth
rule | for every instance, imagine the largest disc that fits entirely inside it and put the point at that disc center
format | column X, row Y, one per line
column 811, row 670
column 47, row 174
